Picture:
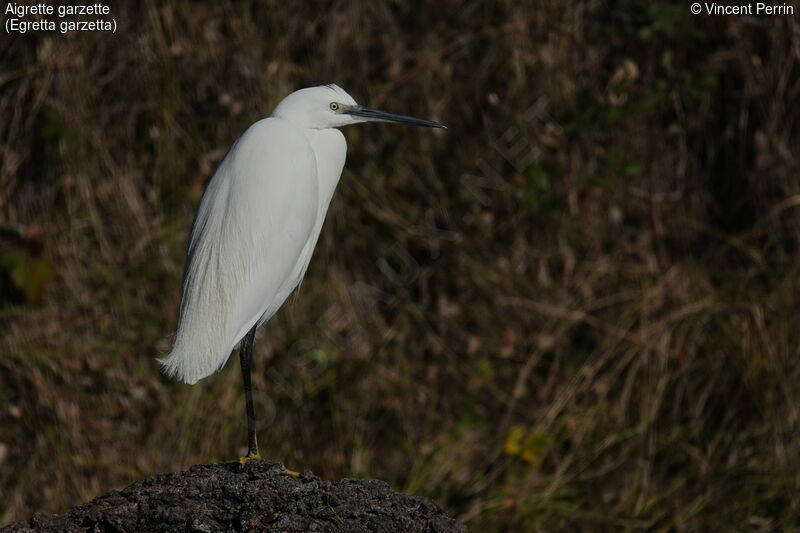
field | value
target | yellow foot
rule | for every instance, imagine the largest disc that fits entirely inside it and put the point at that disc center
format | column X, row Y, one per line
column 248, row 457
column 287, row 472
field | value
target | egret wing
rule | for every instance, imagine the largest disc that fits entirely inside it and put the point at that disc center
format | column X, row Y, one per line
column 254, row 220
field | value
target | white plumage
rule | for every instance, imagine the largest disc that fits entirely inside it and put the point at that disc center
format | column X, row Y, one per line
column 258, row 223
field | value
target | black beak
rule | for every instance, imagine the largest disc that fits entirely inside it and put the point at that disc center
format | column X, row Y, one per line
column 376, row 115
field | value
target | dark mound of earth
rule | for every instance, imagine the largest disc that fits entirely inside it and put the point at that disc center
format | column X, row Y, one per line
column 256, row 497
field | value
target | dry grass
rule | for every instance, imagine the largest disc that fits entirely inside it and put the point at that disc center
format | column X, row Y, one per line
column 600, row 336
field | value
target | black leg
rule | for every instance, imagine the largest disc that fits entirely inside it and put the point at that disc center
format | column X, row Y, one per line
column 246, row 358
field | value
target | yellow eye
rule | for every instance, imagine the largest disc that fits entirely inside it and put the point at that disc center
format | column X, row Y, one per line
column 334, row 106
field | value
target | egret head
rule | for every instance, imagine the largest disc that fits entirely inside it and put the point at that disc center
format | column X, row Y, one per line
column 329, row 106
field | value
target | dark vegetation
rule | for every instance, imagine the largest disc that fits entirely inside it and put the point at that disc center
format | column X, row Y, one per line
column 575, row 309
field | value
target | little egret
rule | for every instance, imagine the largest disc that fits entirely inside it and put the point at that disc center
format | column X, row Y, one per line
column 256, row 227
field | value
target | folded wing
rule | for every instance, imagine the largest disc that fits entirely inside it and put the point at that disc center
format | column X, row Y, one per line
column 254, row 220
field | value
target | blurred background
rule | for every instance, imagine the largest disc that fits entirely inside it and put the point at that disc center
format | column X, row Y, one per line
column 575, row 309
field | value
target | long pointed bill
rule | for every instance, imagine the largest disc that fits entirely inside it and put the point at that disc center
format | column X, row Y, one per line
column 375, row 115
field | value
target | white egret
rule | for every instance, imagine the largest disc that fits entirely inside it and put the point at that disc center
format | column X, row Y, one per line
column 256, row 227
